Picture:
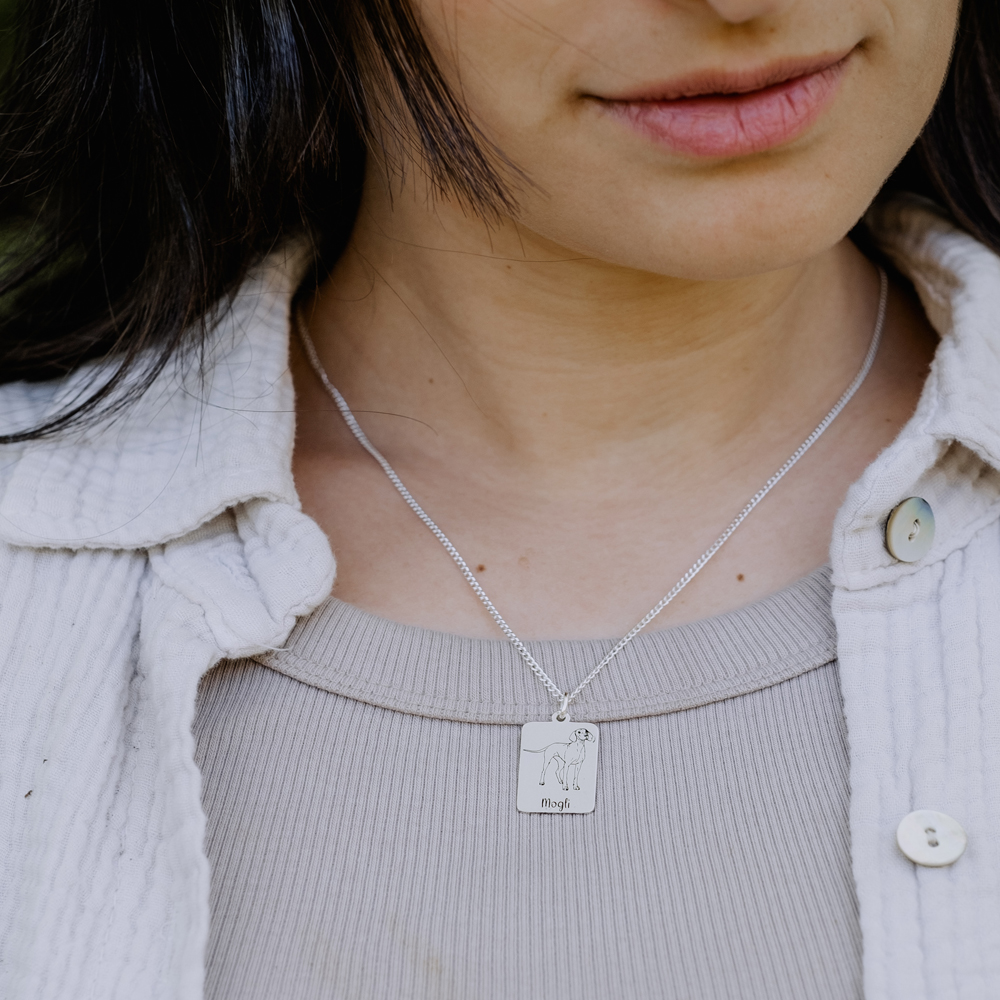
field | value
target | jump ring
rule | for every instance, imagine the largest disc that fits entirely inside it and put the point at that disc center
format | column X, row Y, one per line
column 560, row 714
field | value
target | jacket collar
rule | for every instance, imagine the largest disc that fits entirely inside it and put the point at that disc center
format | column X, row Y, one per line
column 949, row 451
column 958, row 281
column 193, row 447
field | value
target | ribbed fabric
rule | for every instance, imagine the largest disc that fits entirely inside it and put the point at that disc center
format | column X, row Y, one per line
column 343, row 650
column 365, row 843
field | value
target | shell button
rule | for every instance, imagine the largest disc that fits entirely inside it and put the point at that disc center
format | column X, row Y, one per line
column 930, row 838
column 909, row 532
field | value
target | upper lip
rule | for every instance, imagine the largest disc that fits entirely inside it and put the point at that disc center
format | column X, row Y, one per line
column 719, row 82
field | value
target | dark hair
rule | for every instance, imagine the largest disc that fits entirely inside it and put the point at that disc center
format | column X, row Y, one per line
column 152, row 152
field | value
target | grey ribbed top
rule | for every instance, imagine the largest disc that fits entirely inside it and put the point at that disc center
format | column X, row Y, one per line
column 360, row 793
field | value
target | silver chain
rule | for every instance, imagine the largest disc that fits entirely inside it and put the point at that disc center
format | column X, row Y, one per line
column 564, row 698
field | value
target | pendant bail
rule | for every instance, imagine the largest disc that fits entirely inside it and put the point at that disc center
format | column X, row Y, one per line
column 560, row 714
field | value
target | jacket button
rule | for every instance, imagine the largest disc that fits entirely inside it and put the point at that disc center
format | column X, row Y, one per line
column 930, row 838
column 909, row 532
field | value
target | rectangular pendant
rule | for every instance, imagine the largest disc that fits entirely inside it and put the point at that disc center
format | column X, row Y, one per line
column 557, row 772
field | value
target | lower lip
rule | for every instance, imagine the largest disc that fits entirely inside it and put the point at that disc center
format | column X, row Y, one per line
column 728, row 125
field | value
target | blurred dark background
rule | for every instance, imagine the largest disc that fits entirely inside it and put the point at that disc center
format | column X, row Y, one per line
column 6, row 35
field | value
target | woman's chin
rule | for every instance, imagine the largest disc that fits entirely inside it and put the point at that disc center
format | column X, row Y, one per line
column 712, row 236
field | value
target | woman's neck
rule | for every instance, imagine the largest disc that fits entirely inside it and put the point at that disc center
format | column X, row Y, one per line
column 502, row 341
column 537, row 401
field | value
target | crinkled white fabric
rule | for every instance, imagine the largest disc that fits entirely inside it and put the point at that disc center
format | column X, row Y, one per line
column 919, row 644
column 133, row 559
column 136, row 555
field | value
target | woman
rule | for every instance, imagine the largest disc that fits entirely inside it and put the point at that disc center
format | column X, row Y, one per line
column 587, row 275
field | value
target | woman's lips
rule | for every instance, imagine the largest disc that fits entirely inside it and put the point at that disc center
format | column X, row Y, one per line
column 728, row 118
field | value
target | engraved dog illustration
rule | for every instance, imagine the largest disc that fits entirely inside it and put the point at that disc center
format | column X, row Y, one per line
column 567, row 757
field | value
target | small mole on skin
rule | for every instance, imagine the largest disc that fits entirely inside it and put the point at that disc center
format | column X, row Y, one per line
column 480, row 568
column 739, row 576
column 430, row 381
column 523, row 561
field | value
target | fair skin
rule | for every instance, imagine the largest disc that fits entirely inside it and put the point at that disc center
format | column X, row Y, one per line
column 583, row 396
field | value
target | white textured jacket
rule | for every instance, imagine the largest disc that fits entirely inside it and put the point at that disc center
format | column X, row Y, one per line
column 136, row 555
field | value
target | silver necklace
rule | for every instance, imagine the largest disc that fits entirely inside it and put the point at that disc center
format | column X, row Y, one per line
column 560, row 749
